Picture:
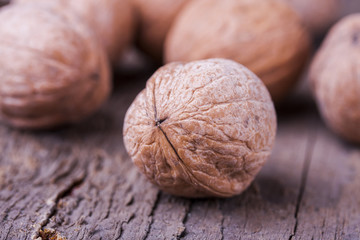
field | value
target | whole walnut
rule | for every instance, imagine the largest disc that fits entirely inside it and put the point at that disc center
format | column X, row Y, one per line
column 265, row 36
column 155, row 19
column 52, row 70
column 203, row 128
column 317, row 15
column 335, row 78
column 113, row 21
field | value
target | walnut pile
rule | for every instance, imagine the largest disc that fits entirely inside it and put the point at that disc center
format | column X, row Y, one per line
column 52, row 70
column 266, row 36
column 155, row 19
column 335, row 78
column 112, row 21
column 203, row 128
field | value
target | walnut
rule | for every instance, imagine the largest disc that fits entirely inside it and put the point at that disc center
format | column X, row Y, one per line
column 203, row 128
column 52, row 71
column 155, row 19
column 113, row 21
column 335, row 78
column 265, row 36
column 317, row 15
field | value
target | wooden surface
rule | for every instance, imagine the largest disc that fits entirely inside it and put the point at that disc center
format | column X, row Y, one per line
column 80, row 182
column 77, row 182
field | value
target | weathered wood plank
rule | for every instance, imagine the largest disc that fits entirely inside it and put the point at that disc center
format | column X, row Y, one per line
column 330, row 208
column 77, row 180
column 26, row 205
column 267, row 210
column 80, row 182
column 168, row 218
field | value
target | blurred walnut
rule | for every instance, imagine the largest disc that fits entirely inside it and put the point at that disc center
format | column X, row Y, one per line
column 155, row 19
column 52, row 70
column 335, row 78
column 318, row 15
column 4, row 2
column 113, row 21
column 265, row 36
column 203, row 128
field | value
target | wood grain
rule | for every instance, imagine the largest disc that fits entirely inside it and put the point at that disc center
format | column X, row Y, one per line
column 77, row 182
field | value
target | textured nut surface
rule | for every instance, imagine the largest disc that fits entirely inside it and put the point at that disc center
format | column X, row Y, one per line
column 335, row 78
column 112, row 21
column 317, row 15
column 155, row 19
column 204, row 128
column 52, row 71
column 265, row 36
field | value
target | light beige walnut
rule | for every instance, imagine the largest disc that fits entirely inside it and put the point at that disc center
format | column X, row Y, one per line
column 318, row 15
column 52, row 70
column 155, row 19
column 265, row 36
column 203, row 128
column 335, row 78
column 113, row 21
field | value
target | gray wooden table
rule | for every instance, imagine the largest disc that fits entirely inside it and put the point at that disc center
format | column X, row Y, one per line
column 77, row 182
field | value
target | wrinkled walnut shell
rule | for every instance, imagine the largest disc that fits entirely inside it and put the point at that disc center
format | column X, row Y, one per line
column 265, row 36
column 52, row 71
column 203, row 128
column 155, row 19
column 335, row 78
column 113, row 21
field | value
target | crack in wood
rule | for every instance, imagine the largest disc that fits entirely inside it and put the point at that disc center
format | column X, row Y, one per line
column 222, row 228
column 5, row 215
column 154, row 207
column 111, row 199
column 8, row 232
column 53, row 202
column 131, row 217
column 186, row 217
column 304, row 175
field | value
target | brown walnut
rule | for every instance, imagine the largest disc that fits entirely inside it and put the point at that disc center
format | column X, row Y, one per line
column 335, row 78
column 155, row 19
column 265, row 36
column 113, row 21
column 203, row 128
column 52, row 70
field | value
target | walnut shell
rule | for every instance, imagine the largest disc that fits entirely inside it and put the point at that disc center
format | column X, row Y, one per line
column 265, row 36
column 155, row 19
column 52, row 70
column 317, row 15
column 203, row 128
column 113, row 21
column 335, row 78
